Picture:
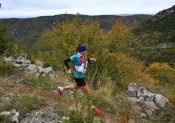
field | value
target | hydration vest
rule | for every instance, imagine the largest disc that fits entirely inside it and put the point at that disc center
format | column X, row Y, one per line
column 83, row 66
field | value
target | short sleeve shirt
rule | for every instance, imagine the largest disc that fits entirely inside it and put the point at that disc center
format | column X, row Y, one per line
column 76, row 61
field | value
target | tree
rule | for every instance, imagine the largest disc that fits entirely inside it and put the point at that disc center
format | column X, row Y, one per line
column 119, row 37
column 5, row 39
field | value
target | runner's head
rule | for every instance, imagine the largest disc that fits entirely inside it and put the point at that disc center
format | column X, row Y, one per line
column 82, row 49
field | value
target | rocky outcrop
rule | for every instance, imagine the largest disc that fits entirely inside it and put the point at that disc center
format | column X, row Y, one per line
column 164, row 13
column 45, row 115
column 151, row 102
column 6, row 98
column 25, row 64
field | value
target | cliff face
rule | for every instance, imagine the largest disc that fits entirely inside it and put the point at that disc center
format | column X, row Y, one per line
column 164, row 13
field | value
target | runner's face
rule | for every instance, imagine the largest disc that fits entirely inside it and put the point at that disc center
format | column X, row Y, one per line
column 84, row 53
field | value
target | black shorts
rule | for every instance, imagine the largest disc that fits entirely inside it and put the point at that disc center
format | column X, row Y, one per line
column 80, row 81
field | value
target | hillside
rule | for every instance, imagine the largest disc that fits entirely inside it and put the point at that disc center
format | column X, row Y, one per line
column 156, row 38
column 27, row 31
column 122, row 88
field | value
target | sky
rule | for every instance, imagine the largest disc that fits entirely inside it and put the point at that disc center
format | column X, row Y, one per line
column 35, row 8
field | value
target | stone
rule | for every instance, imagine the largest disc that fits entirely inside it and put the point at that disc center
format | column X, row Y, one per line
column 151, row 102
column 65, row 118
column 40, row 69
column 17, row 65
column 141, row 92
column 24, row 65
column 143, row 115
column 132, row 89
column 44, row 115
column 32, row 68
column 161, row 101
column 150, row 105
column 48, row 70
column 13, row 114
column 5, row 113
column 8, row 59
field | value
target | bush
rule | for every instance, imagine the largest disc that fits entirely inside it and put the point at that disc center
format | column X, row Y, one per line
column 6, row 69
column 162, row 72
column 5, row 119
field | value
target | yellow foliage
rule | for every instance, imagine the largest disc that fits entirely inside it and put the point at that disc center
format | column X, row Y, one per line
column 162, row 72
column 119, row 36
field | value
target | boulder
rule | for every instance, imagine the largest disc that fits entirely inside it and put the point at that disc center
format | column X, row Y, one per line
column 8, row 59
column 161, row 101
column 141, row 92
column 132, row 89
column 17, row 65
column 32, row 68
column 47, row 70
column 13, row 114
column 140, row 97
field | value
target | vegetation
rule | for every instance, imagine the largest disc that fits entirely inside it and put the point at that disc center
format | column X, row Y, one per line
column 25, row 105
column 110, row 75
column 28, row 31
column 109, row 48
column 162, row 72
column 5, row 39
column 149, row 37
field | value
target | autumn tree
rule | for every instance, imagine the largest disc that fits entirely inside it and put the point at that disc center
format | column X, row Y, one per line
column 162, row 72
column 119, row 37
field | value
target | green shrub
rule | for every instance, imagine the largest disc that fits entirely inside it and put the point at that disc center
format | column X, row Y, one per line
column 5, row 69
column 46, row 64
column 5, row 119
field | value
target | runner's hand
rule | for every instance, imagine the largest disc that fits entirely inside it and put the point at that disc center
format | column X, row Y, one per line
column 69, row 71
column 93, row 59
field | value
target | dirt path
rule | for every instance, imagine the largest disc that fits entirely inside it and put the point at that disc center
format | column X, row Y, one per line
column 22, row 89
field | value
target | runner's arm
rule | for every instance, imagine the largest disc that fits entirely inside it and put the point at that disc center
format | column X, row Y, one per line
column 66, row 63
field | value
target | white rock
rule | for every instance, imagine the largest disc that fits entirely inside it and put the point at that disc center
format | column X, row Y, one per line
column 32, row 68
column 141, row 92
column 132, row 89
column 8, row 59
column 24, row 65
column 14, row 117
column 5, row 113
column 143, row 115
column 48, row 70
column 17, row 65
column 65, row 118
column 26, row 61
column 161, row 101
